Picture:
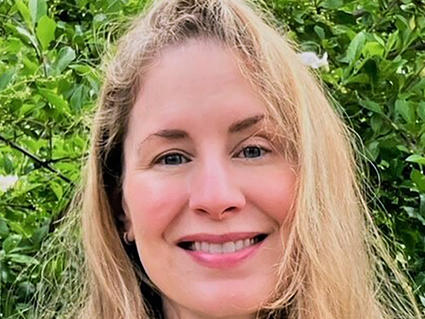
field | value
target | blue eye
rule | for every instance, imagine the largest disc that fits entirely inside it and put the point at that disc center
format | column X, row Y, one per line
column 249, row 152
column 172, row 159
column 252, row 152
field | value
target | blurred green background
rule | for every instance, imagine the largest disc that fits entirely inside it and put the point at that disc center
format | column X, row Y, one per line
column 50, row 75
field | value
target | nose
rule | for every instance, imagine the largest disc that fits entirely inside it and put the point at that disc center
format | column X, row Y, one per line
column 214, row 191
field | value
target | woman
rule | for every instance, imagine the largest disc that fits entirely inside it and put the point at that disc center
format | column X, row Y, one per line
column 222, row 184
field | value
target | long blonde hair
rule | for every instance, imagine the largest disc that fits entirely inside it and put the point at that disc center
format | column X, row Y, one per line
column 335, row 266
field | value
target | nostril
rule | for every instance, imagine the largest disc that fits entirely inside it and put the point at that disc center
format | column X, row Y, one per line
column 218, row 213
column 231, row 209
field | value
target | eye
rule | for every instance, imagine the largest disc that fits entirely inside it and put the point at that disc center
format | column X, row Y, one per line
column 172, row 159
column 252, row 151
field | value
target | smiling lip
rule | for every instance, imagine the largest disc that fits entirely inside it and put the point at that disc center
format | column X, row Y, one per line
column 221, row 260
column 218, row 239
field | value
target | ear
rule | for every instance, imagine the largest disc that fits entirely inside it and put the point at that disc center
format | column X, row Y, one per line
column 126, row 220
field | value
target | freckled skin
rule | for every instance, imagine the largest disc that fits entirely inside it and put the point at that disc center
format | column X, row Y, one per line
column 213, row 186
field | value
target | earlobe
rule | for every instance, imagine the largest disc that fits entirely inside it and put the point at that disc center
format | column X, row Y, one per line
column 125, row 218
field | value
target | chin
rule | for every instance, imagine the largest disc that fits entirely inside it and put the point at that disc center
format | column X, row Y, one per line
column 226, row 301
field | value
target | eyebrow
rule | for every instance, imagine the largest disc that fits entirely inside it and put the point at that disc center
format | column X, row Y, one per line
column 177, row 134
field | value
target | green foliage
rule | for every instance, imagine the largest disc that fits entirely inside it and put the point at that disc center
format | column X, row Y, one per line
column 49, row 81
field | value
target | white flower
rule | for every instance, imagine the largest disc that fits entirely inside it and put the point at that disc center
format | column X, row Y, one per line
column 7, row 182
column 312, row 60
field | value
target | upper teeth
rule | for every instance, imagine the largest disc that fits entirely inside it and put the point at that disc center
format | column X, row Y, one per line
column 227, row 247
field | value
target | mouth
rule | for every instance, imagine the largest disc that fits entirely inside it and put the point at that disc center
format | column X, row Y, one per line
column 224, row 244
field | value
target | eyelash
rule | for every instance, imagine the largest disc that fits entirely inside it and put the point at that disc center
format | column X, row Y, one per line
column 161, row 160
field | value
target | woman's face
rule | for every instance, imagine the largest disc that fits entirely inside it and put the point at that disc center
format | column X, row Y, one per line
column 205, row 191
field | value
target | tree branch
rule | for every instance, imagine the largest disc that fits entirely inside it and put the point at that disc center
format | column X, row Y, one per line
column 36, row 159
column 29, row 207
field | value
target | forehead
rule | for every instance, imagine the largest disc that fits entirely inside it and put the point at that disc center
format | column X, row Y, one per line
column 195, row 77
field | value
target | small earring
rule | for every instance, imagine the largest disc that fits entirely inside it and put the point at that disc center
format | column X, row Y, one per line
column 125, row 238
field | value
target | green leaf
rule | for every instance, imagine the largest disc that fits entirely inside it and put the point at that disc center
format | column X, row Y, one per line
column 319, row 31
column 412, row 23
column 12, row 45
column 332, row 4
column 25, row 12
column 419, row 179
column 66, row 56
column 40, row 234
column 8, row 164
column 416, row 159
column 11, row 242
column 76, row 100
column 28, row 36
column 6, row 276
column 373, row 49
column 392, row 40
column 4, row 229
column 355, row 47
column 370, row 105
column 6, row 77
column 57, row 189
column 46, row 31
column 421, row 110
column 376, row 123
column 358, row 78
column 56, row 100
column 81, row 69
column 25, row 108
column 373, row 149
column 38, row 8
column 30, row 66
column 23, row 259
column 406, row 110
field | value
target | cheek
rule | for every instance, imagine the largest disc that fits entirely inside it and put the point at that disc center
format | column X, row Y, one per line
column 273, row 192
column 152, row 203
